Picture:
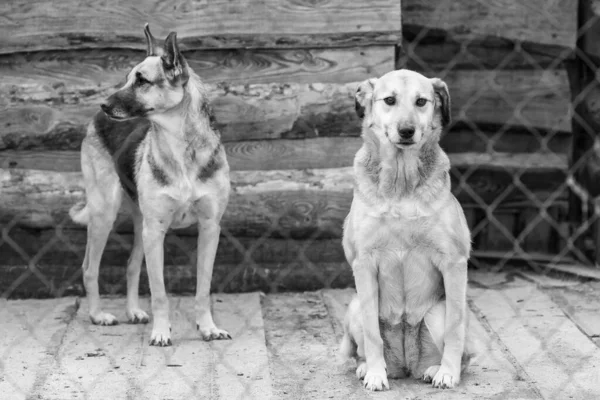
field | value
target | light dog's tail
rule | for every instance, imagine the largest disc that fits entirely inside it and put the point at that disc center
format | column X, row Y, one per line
column 79, row 213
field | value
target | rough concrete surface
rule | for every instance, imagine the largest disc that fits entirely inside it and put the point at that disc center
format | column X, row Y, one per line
column 533, row 337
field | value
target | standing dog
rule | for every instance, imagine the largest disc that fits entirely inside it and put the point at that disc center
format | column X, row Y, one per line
column 406, row 238
column 153, row 145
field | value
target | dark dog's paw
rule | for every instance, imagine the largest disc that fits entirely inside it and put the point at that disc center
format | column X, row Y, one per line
column 213, row 333
column 161, row 336
column 103, row 318
column 137, row 316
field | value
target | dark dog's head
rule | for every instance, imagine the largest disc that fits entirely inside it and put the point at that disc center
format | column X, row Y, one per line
column 153, row 86
column 404, row 108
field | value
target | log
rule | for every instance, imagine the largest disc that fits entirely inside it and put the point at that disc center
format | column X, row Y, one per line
column 65, row 280
column 200, row 25
column 324, row 152
column 57, row 118
column 39, row 115
column 294, row 203
column 553, row 25
column 67, row 246
column 94, row 68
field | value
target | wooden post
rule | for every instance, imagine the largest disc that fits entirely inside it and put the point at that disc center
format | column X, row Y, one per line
column 585, row 154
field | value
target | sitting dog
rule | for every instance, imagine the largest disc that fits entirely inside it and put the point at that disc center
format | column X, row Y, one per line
column 153, row 145
column 406, row 238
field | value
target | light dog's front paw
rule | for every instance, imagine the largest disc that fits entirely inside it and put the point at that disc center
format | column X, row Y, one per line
column 103, row 318
column 137, row 316
column 361, row 370
column 161, row 335
column 213, row 333
column 445, row 378
column 376, row 379
column 430, row 373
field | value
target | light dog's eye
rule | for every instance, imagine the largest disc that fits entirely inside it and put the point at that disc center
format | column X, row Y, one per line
column 390, row 101
column 421, row 102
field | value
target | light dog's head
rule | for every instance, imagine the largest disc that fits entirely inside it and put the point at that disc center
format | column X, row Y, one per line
column 153, row 86
column 404, row 108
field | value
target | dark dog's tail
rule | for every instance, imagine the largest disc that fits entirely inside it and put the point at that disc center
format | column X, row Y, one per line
column 79, row 213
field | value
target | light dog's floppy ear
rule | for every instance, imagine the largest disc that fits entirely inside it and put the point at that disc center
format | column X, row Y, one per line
column 173, row 61
column 442, row 100
column 364, row 97
column 150, row 41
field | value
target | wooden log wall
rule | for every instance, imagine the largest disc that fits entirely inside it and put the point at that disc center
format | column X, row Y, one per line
column 282, row 76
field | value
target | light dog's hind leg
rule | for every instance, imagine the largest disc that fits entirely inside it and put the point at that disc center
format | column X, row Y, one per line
column 134, row 313
column 103, row 201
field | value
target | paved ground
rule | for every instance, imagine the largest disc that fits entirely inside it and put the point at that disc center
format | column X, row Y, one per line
column 536, row 337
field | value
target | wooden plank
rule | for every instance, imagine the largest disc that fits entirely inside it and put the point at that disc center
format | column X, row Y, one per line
column 106, row 67
column 292, row 203
column 39, row 115
column 302, row 347
column 30, row 337
column 242, row 367
column 538, row 21
column 435, row 50
column 490, row 363
column 271, row 23
column 96, row 360
column 549, row 347
column 580, row 303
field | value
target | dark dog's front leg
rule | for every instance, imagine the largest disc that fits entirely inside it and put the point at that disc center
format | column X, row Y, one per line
column 367, row 287
column 153, row 234
column 208, row 240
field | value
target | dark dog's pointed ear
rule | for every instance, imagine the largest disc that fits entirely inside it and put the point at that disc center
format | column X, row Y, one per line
column 150, row 41
column 363, row 98
column 442, row 100
column 173, row 60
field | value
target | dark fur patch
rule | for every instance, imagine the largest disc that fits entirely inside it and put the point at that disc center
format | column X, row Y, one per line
column 159, row 174
column 122, row 139
column 208, row 111
column 213, row 165
column 372, row 163
column 428, row 157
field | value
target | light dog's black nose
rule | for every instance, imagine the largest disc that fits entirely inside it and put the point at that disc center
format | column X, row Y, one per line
column 406, row 133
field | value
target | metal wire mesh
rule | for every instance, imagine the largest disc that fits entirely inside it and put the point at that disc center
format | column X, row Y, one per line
column 540, row 212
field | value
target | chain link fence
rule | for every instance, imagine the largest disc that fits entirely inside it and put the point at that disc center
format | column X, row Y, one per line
column 524, row 153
